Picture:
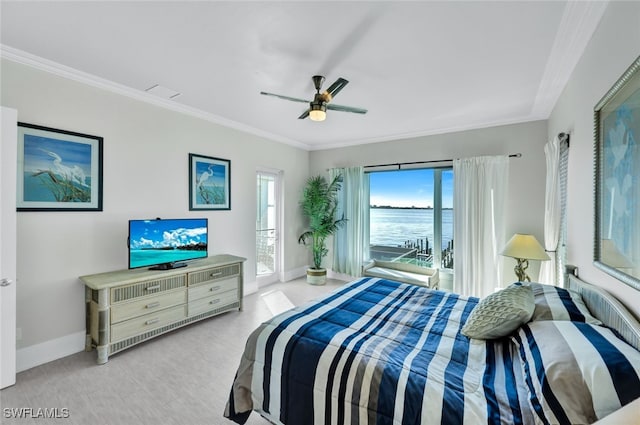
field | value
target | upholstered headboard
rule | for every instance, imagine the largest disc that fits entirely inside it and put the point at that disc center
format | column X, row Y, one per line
column 608, row 309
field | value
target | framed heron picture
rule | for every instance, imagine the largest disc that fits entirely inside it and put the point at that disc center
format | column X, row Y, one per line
column 209, row 183
column 58, row 170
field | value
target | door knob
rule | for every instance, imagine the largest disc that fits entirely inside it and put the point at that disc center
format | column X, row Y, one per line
column 6, row 282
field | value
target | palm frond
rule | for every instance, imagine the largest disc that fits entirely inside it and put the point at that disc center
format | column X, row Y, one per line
column 319, row 204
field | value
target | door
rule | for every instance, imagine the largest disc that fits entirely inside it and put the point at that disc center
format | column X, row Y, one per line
column 267, row 227
column 8, row 159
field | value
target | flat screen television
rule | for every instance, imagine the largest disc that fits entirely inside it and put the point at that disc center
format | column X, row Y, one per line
column 163, row 244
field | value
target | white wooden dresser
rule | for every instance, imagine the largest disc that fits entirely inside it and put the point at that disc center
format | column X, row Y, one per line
column 126, row 307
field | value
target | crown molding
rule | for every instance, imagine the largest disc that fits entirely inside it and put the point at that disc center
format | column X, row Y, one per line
column 46, row 65
column 579, row 21
column 433, row 132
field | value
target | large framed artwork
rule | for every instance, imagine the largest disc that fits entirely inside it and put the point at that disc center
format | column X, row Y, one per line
column 209, row 183
column 58, row 170
column 617, row 175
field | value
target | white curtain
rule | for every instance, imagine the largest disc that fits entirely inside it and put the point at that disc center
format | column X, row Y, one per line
column 552, row 209
column 351, row 242
column 479, row 206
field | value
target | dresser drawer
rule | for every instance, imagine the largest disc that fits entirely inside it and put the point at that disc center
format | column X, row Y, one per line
column 145, row 305
column 203, row 305
column 148, row 322
column 212, row 274
column 213, row 288
column 146, row 288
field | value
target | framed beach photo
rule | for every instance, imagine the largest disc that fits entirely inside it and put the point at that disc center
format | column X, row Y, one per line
column 209, row 183
column 617, row 175
column 58, row 170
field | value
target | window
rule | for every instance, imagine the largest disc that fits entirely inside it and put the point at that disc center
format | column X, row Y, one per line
column 411, row 216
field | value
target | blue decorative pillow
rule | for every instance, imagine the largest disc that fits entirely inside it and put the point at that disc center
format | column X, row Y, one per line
column 576, row 373
column 554, row 303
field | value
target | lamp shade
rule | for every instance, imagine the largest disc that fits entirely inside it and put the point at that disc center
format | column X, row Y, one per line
column 526, row 247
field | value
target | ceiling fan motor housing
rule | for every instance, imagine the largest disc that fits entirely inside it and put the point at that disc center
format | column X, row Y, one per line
column 318, row 106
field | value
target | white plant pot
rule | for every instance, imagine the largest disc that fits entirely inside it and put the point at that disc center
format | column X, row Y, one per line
column 317, row 276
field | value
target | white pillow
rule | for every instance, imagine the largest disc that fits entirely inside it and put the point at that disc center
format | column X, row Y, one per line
column 500, row 313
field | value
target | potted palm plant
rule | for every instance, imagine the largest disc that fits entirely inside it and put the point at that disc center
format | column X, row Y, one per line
column 319, row 203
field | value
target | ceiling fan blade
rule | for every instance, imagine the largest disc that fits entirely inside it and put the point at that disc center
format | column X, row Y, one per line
column 293, row 99
column 304, row 115
column 342, row 108
column 335, row 88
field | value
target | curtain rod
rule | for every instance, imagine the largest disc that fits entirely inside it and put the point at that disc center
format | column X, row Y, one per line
column 564, row 136
column 400, row 164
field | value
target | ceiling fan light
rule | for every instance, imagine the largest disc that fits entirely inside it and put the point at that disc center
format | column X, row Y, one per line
column 317, row 115
column 317, row 111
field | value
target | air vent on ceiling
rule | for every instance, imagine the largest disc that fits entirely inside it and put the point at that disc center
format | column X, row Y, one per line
column 163, row 92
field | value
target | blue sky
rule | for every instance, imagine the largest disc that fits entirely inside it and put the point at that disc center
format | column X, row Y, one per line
column 37, row 154
column 163, row 233
column 409, row 188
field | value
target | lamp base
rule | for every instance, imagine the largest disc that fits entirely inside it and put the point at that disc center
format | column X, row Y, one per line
column 520, row 268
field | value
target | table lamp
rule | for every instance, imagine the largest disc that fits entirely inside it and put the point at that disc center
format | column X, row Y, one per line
column 524, row 248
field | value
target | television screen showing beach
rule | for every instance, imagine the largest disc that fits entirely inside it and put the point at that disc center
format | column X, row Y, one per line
column 154, row 242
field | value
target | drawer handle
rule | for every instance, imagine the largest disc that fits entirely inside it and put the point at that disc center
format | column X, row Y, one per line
column 152, row 288
column 152, row 321
column 215, row 274
column 216, row 301
column 153, row 304
column 214, row 288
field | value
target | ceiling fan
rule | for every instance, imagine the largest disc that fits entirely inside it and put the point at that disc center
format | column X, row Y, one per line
column 321, row 101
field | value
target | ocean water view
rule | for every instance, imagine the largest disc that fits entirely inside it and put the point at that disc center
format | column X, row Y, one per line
column 395, row 226
column 146, row 257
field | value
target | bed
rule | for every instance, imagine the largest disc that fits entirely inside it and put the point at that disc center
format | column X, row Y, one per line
column 377, row 351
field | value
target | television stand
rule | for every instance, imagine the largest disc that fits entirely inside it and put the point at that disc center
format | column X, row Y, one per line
column 127, row 307
column 168, row 266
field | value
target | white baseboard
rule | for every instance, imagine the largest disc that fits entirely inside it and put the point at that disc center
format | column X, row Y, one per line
column 250, row 287
column 48, row 351
column 294, row 274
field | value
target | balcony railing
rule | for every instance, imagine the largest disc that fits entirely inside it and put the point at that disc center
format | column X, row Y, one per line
column 265, row 248
column 416, row 252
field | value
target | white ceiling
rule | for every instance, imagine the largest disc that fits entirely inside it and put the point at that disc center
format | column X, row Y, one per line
column 420, row 68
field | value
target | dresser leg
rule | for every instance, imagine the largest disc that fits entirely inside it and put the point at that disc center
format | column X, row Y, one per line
column 103, row 326
column 103, row 354
column 87, row 304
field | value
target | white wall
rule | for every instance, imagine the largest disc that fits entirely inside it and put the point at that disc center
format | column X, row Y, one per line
column 526, row 176
column 613, row 47
column 145, row 175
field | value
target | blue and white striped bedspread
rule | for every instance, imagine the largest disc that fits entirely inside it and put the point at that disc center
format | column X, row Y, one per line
column 378, row 352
